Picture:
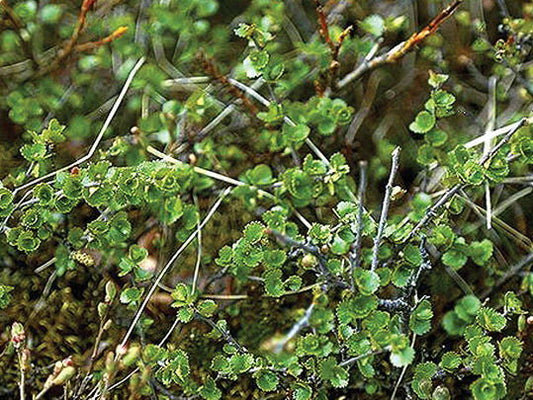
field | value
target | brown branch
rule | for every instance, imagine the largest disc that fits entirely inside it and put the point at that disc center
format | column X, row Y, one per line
column 18, row 25
column 431, row 28
column 211, row 69
column 403, row 48
column 98, row 43
column 334, row 48
column 69, row 46
column 323, row 26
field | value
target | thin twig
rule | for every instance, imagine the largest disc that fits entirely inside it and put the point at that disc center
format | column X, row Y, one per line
column 385, row 207
column 18, row 25
column 98, row 139
column 355, row 255
column 352, row 360
column 401, row 49
column 301, row 323
column 432, row 212
column 491, row 123
column 498, row 132
column 169, row 265
column 252, row 93
column 224, row 332
column 198, row 258
column 402, row 374
column 245, row 296
column 513, row 271
column 224, row 178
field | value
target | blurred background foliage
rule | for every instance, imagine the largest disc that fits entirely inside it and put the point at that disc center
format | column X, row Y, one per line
column 54, row 66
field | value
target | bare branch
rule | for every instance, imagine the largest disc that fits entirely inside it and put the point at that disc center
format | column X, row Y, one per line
column 400, row 50
column 355, row 255
column 385, row 207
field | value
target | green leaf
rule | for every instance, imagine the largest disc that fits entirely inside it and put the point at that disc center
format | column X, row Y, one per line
column 6, row 198
column 119, row 228
column 442, row 236
column 450, row 361
column 425, row 154
column 294, row 282
column 54, row 132
column 253, row 232
column 185, row 314
column 436, row 137
column 296, row 133
column 209, row 390
column 259, row 59
column 339, row 245
column 367, row 281
column 335, row 374
column 467, row 308
column 273, row 71
column 247, row 254
column 274, row 258
column 299, row 184
column 182, row 295
column 260, row 175
column 274, row 113
column 320, row 234
column 5, row 297
column 137, row 253
column 51, row 13
column 512, row 303
column 27, row 242
column 301, row 391
column 314, row 345
column 225, row 255
column 240, row 363
column 244, row 30
column 454, row 258
column 490, row 319
column 480, row 252
column 436, row 80
column 206, row 8
column 32, row 218
column 425, row 370
column 130, row 295
column 266, row 380
column 422, row 384
column 179, row 365
column 412, row 255
column 207, row 308
column 402, row 357
column 484, row 389
column 420, row 318
column 220, row 363
column 33, row 152
column 373, row 24
column 510, row 348
column 443, row 98
column 273, row 283
column 44, row 193
column 350, row 310
column 423, row 122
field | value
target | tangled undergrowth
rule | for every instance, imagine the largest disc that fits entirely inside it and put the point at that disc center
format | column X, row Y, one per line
column 266, row 199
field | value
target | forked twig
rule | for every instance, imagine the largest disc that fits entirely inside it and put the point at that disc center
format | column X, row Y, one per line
column 385, row 207
column 432, row 212
column 403, row 48
column 301, row 323
column 98, row 139
column 169, row 265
